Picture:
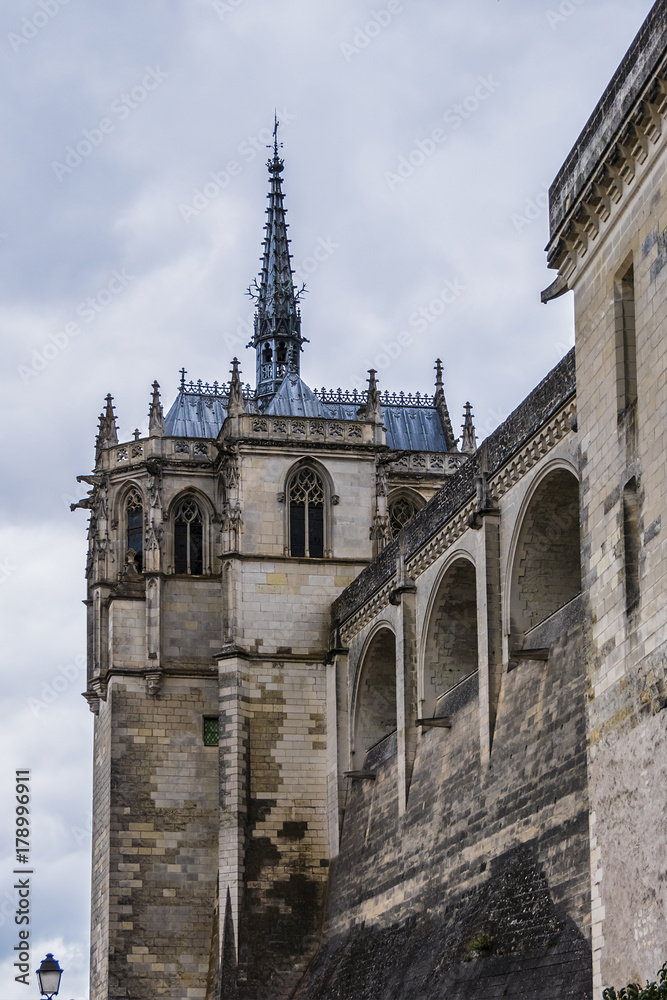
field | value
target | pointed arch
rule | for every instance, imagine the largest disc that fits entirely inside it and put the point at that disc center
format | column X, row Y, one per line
column 309, row 498
column 450, row 650
column 190, row 517
column 544, row 568
column 374, row 710
column 402, row 505
column 130, row 507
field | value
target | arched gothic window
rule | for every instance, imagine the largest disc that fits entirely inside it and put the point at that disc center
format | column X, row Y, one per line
column 401, row 510
column 134, row 517
column 305, row 498
column 188, row 538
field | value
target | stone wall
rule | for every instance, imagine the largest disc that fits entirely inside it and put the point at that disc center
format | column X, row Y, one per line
column 626, row 662
column 615, row 265
column 273, row 826
column 163, row 828
column 481, row 888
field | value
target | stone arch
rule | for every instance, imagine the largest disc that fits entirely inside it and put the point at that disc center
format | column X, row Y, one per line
column 206, row 511
column 375, row 702
column 450, row 650
column 329, row 500
column 130, row 517
column 402, row 505
column 546, row 559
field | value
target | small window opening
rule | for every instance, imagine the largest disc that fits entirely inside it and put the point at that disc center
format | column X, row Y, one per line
column 401, row 510
column 188, row 538
column 631, row 544
column 282, row 352
column 211, row 731
column 306, row 514
column 134, row 510
column 626, row 345
column 267, row 354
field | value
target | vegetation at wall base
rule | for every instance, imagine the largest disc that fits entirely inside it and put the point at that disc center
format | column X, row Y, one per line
column 635, row 991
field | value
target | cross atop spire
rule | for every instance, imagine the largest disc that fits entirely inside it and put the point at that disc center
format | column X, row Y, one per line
column 277, row 335
column 276, row 123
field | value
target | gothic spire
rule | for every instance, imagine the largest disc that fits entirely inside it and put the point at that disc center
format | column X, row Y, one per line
column 372, row 409
column 468, row 442
column 236, row 403
column 156, row 414
column 107, row 433
column 277, row 337
column 440, row 404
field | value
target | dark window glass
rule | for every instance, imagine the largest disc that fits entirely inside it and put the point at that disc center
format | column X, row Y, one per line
column 134, row 512
column 211, row 731
column 316, row 531
column 306, row 511
column 631, row 544
column 181, row 548
column 188, row 538
column 297, row 525
column 196, row 549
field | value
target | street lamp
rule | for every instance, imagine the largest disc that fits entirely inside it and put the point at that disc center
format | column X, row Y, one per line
column 49, row 974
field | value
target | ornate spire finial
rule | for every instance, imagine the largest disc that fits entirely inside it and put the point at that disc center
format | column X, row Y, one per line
column 155, row 413
column 183, row 374
column 236, row 403
column 372, row 409
column 276, row 123
column 440, row 404
column 107, row 433
column 110, row 427
column 438, row 377
column 277, row 334
column 468, row 439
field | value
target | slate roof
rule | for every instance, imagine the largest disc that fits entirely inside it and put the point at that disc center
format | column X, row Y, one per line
column 196, row 415
column 409, row 428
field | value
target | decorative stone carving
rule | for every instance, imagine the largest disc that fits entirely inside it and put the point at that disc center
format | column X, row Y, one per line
column 154, row 683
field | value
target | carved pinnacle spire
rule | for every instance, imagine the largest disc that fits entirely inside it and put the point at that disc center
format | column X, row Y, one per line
column 440, row 404
column 438, row 377
column 277, row 333
column 156, row 414
column 236, row 404
column 372, row 409
column 468, row 440
column 107, row 432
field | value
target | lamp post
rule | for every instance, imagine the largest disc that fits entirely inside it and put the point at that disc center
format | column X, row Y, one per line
column 48, row 975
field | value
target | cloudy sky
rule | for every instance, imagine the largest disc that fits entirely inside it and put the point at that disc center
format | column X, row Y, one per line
column 420, row 137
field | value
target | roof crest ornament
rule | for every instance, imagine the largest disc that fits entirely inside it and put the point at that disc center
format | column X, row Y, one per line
column 156, row 414
column 440, row 403
column 468, row 439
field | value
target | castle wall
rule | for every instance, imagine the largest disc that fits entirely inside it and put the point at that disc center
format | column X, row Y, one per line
column 352, row 483
column 626, row 662
column 162, row 825
column 463, row 864
column 191, row 613
column 273, row 840
column 481, row 888
column 101, row 821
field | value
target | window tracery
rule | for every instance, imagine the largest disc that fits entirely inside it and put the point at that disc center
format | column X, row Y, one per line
column 188, row 538
column 306, row 498
column 401, row 511
column 134, row 518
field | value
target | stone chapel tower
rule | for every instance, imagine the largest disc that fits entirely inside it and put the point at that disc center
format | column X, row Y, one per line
column 216, row 546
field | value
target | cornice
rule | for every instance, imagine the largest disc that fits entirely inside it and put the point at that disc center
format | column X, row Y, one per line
column 627, row 157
